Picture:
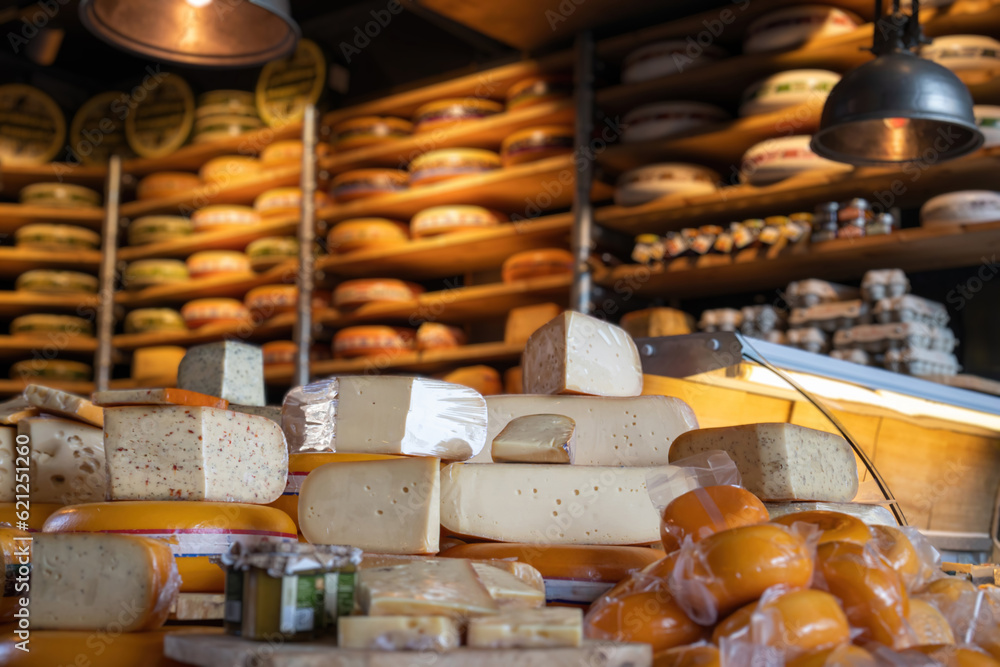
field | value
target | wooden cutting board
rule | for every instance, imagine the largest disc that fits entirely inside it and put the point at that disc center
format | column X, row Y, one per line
column 225, row 651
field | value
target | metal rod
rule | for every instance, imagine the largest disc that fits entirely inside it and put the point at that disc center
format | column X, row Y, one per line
column 583, row 211
column 307, row 237
column 109, row 259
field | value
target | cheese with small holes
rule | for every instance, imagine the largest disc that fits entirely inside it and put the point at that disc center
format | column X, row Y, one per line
column 385, row 415
column 67, row 460
column 166, row 396
column 440, row 587
column 523, row 572
column 7, row 464
column 95, row 581
column 193, row 453
column 398, row 633
column 781, row 461
column 159, row 363
column 535, row 439
column 548, row 504
column 609, row 431
column 526, row 320
column 580, row 354
column 382, row 506
column 64, row 404
column 556, row 627
column 508, row 591
column 230, row 370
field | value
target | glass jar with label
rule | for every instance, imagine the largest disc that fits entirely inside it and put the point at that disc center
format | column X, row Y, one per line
column 825, row 222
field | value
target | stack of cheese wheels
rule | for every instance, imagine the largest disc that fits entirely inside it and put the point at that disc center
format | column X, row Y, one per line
column 539, row 90
column 56, row 282
column 166, row 184
column 153, row 320
column 228, row 312
column 796, row 26
column 537, row 143
column 270, row 251
column 161, row 122
column 366, row 233
column 356, row 293
column 372, row 340
column 269, row 300
column 56, row 370
column 56, row 238
column 32, row 127
column 227, row 168
column 362, row 183
column 98, row 132
column 439, row 220
column 537, row 263
column 221, row 114
column 446, row 163
column 660, row 59
column 445, row 113
column 645, row 184
column 209, row 263
column 42, row 324
column 58, row 195
column 368, row 131
column 283, row 201
column 145, row 273
column 158, row 228
column 224, row 216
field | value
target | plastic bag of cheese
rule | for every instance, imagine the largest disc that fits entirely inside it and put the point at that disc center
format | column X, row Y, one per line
column 711, row 468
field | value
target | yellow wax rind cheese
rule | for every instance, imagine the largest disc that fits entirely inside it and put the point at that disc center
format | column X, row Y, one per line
column 425, row 588
column 398, row 633
column 64, row 404
column 554, row 627
column 542, row 438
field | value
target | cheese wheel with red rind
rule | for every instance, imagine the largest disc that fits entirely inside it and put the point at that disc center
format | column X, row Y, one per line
column 210, row 263
column 200, row 312
column 366, row 233
column 537, row 143
column 450, row 219
column 366, row 341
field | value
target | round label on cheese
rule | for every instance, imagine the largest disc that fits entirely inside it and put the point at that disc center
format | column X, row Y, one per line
column 200, row 312
column 51, row 369
column 57, row 238
column 446, row 163
column 372, row 340
column 362, row 233
column 56, row 282
column 161, row 122
column 33, row 325
column 148, row 320
column 97, row 132
column 287, row 86
column 32, row 126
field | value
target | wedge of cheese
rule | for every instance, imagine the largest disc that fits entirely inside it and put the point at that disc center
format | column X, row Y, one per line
column 230, row 370
column 508, row 591
column 535, row 439
column 554, row 627
column 398, row 633
column 67, row 460
column 443, row 587
column 523, row 572
column 64, row 404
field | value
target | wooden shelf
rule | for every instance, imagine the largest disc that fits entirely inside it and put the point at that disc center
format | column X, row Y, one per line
column 233, row 286
column 465, row 251
column 918, row 249
column 13, row 347
column 14, row 303
column 15, row 216
column 486, row 133
column 15, row 177
column 15, row 261
column 276, row 328
column 222, row 239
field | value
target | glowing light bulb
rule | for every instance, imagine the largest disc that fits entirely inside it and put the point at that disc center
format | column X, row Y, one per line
column 199, row 3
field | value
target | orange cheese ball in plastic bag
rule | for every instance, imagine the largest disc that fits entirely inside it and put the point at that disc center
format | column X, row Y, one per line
column 835, row 526
column 928, row 625
column 736, row 625
column 846, row 655
column 687, row 656
column 873, row 596
column 730, row 568
column 898, row 552
column 954, row 656
column 704, row 511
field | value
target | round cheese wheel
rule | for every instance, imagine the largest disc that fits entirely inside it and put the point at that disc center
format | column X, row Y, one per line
column 834, row 526
column 61, row 195
column 665, row 119
column 87, row 647
column 644, row 184
column 704, row 511
column 537, row 143
column 270, row 251
column 269, row 300
column 279, row 352
column 660, row 59
column 222, row 170
column 362, row 183
column 228, row 98
column 32, row 126
column 57, row 238
column 158, row 228
column 538, row 90
column 794, row 26
column 446, row 163
column 35, row 518
column 97, row 132
column 688, row 656
column 444, row 113
column 51, row 369
column 928, row 625
column 437, row 336
column 195, row 530
column 367, row 341
column 166, row 184
column 153, row 320
column 537, row 263
column 483, row 379
column 788, row 89
column 157, row 365
column 209, row 120
column 217, row 263
column 664, row 624
column 200, row 312
column 149, row 272
column 368, row 131
column 282, row 152
column 56, row 282
column 354, row 293
column 224, row 216
column 281, row 201
column 34, row 325
column 513, row 380
column 449, row 219
column 782, row 157
column 845, row 655
column 366, row 233
column 797, row 622
column 288, row 85
column 161, row 122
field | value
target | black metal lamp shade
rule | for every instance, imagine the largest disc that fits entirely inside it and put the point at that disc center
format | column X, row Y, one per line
column 205, row 33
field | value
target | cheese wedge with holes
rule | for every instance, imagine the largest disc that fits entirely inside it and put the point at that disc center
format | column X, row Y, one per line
column 67, row 461
column 8, row 453
column 580, row 354
column 398, row 633
column 525, row 573
column 554, row 627
column 548, row 504
column 64, row 404
column 443, row 587
column 508, row 591
column 633, row 431
column 535, row 439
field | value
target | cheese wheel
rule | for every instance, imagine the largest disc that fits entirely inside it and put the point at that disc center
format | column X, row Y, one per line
column 788, row 89
column 51, row 369
column 928, row 625
column 228, row 98
column 299, row 467
column 35, row 516
column 645, row 184
column 211, row 121
column 233, row 108
column 271, row 251
column 200, row 312
column 730, row 568
column 221, row 170
column 286, row 86
column 782, row 157
column 32, row 126
column 97, row 132
column 56, row 238
column 280, row 201
column 450, row 219
column 538, row 90
column 537, row 143
column 15, row 551
column 279, row 352
column 367, row 341
column 688, row 656
column 796, row 25
column 269, row 300
column 150, row 272
column 537, row 263
column 797, row 622
column 368, row 131
column 446, row 163
column 362, row 183
column 58, row 195
column 210, row 263
column 224, row 216
column 660, row 120
column 483, row 379
column 437, row 336
column 152, row 320
column 366, row 233
column 158, row 228
column 161, row 121
column 67, row 325
column 513, row 380
column 662, row 622
column 282, row 152
column 443, row 113
column 56, row 282
column 158, row 363
column 354, row 293
column 704, row 511
column 166, row 184
column 195, row 530
column 845, row 655
column 834, row 526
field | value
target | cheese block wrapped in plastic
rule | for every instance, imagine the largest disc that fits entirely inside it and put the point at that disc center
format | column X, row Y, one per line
column 609, row 431
column 193, row 453
column 398, row 633
column 539, row 628
column 442, row 587
column 781, row 461
column 77, row 582
column 580, row 354
column 230, row 370
column 67, row 460
column 64, row 404
column 535, row 439
column 385, row 415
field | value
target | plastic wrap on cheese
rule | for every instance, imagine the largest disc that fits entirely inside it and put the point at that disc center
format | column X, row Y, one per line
column 871, row 514
column 711, row 468
column 385, row 415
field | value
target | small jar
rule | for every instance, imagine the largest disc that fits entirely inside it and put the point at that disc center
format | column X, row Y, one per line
column 824, row 222
column 855, row 212
column 882, row 223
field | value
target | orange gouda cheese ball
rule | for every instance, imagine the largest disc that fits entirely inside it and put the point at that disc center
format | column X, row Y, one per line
column 650, row 616
column 687, row 656
column 953, row 656
column 898, row 552
column 736, row 625
column 835, row 526
column 929, row 626
column 730, row 568
column 701, row 512
column 846, row 655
